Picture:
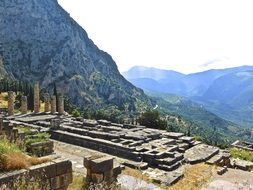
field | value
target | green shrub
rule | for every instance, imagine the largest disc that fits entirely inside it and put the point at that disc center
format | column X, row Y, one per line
column 7, row 147
column 76, row 113
column 242, row 154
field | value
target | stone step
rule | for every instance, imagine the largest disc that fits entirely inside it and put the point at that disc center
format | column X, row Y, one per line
column 215, row 159
column 136, row 165
column 169, row 168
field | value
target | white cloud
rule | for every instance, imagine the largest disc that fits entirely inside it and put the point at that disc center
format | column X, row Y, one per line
column 181, row 35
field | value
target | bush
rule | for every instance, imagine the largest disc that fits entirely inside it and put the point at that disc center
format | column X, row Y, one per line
column 242, row 154
column 152, row 119
column 6, row 147
column 76, row 113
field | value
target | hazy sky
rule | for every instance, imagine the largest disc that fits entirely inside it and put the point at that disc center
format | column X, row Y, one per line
column 182, row 35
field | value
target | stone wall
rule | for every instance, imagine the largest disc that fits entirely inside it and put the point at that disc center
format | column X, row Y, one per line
column 96, row 144
column 54, row 175
column 41, row 148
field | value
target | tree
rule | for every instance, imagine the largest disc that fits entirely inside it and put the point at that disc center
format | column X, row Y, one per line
column 152, row 119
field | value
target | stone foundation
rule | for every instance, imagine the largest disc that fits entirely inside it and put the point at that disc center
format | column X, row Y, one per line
column 54, row 175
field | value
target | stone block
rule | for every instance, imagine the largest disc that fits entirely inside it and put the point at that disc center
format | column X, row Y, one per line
column 97, row 177
column 102, row 164
column 63, row 166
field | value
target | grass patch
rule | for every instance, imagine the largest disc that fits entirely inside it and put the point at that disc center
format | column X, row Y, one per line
column 195, row 177
column 24, row 129
column 6, row 147
column 79, row 182
column 137, row 174
column 40, row 137
column 242, row 154
column 12, row 158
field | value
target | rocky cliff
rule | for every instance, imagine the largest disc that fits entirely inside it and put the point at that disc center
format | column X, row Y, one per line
column 39, row 41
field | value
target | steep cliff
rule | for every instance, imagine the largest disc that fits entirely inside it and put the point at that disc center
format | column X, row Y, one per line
column 41, row 42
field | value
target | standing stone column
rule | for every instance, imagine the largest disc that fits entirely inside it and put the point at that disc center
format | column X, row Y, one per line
column 24, row 105
column 1, row 124
column 36, row 98
column 47, row 102
column 10, row 103
column 53, row 104
column 60, row 104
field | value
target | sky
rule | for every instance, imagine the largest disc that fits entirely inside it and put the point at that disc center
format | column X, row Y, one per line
column 182, row 35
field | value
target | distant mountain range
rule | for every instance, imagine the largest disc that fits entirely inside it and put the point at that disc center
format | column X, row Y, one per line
column 225, row 92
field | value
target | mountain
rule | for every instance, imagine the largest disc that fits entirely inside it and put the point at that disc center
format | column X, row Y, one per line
column 189, row 85
column 225, row 92
column 39, row 41
column 190, row 115
column 151, row 72
column 231, row 96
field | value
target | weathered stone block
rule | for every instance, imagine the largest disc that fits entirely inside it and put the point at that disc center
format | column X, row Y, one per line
column 97, row 177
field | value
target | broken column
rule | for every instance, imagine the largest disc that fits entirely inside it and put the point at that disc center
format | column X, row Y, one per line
column 10, row 103
column 24, row 105
column 36, row 98
column 47, row 102
column 100, row 169
column 60, row 104
column 53, row 104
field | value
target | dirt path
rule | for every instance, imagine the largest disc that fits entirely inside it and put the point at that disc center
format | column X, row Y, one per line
column 232, row 180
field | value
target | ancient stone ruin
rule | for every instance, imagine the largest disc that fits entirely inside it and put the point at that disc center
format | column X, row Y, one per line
column 243, row 145
column 100, row 169
column 142, row 147
column 48, row 104
column 54, row 175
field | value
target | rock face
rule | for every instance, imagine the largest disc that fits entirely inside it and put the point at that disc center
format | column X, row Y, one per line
column 39, row 41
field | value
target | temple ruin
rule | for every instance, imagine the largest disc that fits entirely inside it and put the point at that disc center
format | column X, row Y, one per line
column 49, row 104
